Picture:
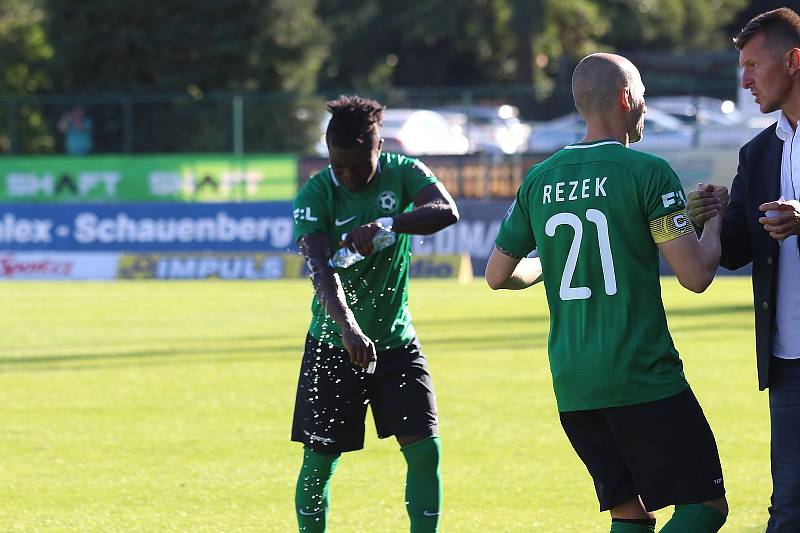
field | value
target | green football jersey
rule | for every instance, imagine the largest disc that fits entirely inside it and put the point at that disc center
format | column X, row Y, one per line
column 595, row 212
column 376, row 288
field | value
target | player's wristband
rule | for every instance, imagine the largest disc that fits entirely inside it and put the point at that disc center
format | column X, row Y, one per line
column 385, row 223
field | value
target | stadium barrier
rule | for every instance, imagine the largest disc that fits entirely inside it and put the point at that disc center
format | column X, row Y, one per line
column 224, row 178
column 55, row 266
column 252, row 240
column 190, row 177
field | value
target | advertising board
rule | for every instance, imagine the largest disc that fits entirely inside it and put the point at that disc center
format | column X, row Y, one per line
column 140, row 178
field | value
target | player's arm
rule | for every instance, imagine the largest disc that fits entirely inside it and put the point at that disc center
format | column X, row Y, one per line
column 694, row 261
column 434, row 210
column 504, row 271
column 316, row 249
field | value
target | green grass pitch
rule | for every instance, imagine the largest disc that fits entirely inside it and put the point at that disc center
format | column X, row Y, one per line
column 166, row 406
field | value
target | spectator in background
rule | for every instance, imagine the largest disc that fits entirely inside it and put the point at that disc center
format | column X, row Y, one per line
column 77, row 130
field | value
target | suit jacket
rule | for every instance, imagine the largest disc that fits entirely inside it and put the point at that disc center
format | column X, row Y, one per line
column 757, row 180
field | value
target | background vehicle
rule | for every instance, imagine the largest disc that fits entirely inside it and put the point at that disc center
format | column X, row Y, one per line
column 421, row 132
column 662, row 131
column 415, row 132
column 492, row 129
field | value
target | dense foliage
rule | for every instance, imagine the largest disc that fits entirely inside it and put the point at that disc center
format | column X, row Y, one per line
column 300, row 48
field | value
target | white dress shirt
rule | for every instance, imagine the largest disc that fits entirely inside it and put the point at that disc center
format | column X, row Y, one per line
column 786, row 335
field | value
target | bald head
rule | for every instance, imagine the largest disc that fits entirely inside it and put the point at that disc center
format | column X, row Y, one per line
column 597, row 81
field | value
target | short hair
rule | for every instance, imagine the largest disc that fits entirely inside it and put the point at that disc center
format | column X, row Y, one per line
column 354, row 122
column 779, row 26
column 597, row 80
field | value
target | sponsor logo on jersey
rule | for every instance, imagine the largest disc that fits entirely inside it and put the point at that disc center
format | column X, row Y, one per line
column 387, row 202
column 304, row 213
column 673, row 198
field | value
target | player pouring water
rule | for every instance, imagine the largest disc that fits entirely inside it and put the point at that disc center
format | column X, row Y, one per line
column 599, row 213
column 361, row 347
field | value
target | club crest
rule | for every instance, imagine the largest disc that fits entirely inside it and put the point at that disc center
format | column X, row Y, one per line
column 387, row 202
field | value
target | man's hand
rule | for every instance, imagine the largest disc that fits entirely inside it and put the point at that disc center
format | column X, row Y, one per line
column 706, row 202
column 782, row 218
column 360, row 239
column 359, row 346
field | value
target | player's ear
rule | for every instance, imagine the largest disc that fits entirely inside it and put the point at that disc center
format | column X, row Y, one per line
column 793, row 61
column 625, row 98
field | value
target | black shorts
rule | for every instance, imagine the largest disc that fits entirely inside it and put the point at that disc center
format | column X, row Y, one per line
column 333, row 394
column 663, row 451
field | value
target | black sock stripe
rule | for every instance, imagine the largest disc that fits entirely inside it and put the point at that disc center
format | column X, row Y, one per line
column 640, row 521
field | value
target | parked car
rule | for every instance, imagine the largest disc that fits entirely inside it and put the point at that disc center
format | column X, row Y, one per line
column 662, row 131
column 413, row 132
column 421, row 132
column 492, row 129
column 702, row 110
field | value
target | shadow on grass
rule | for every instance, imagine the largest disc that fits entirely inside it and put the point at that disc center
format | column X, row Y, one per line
column 504, row 319
column 495, row 342
column 706, row 311
column 712, row 328
column 148, row 357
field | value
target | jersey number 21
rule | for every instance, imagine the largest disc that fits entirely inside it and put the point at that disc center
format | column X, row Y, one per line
column 566, row 291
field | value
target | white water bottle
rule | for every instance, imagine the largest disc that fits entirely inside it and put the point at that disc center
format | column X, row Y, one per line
column 383, row 238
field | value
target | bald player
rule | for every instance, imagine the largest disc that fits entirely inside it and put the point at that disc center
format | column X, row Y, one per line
column 599, row 213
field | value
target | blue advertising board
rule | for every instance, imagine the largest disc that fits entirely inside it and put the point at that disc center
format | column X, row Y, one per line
column 218, row 227
column 257, row 226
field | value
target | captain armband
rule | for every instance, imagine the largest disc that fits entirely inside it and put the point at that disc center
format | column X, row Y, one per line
column 670, row 227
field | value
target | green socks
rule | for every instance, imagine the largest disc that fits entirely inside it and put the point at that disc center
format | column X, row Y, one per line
column 423, row 484
column 313, row 489
column 632, row 525
column 423, row 487
column 696, row 518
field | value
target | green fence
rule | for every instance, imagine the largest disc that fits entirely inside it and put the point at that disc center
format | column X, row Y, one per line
column 271, row 122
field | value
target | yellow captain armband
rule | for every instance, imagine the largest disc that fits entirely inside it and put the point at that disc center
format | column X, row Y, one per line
column 670, row 227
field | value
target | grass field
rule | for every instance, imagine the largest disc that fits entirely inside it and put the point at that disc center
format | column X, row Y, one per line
column 154, row 407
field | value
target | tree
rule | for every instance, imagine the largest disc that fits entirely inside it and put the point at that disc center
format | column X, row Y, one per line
column 186, row 48
column 24, row 52
column 385, row 43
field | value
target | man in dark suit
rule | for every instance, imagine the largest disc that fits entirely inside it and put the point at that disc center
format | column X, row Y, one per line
column 761, row 223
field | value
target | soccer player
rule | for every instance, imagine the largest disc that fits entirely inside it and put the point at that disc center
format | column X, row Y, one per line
column 360, row 314
column 599, row 213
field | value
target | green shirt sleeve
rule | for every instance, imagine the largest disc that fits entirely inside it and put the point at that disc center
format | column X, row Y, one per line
column 516, row 233
column 310, row 210
column 416, row 177
column 664, row 193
